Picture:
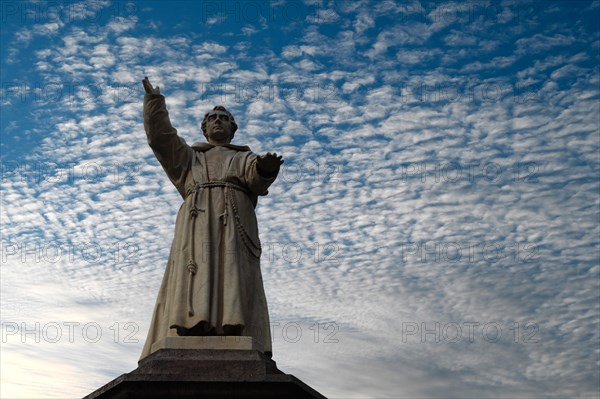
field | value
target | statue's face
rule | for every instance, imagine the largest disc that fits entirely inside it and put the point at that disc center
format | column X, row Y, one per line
column 218, row 126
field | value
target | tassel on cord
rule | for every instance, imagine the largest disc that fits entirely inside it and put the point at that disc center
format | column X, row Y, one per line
column 192, row 266
column 224, row 214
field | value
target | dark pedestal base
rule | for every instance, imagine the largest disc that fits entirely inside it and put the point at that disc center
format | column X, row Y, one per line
column 205, row 373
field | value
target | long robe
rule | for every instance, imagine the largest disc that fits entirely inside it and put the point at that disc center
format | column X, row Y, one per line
column 212, row 279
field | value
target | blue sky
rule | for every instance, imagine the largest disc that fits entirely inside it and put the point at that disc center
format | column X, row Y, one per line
column 434, row 229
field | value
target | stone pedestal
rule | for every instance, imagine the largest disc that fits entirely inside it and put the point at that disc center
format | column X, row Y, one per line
column 205, row 373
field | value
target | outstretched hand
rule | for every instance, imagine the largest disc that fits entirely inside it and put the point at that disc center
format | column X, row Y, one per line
column 268, row 164
column 148, row 87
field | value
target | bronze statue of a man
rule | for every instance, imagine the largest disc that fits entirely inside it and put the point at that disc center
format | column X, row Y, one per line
column 212, row 283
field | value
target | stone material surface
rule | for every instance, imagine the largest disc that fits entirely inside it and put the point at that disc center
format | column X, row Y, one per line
column 216, row 342
column 206, row 373
column 212, row 283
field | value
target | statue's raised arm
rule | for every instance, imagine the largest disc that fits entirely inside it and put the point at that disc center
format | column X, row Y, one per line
column 149, row 88
column 171, row 150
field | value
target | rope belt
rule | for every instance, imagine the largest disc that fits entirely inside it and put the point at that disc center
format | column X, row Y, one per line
column 213, row 184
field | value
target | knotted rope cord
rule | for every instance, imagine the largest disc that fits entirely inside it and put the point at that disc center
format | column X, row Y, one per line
column 192, row 266
column 246, row 238
column 212, row 184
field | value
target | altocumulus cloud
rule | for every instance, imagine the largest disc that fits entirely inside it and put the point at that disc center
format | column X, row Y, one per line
column 434, row 230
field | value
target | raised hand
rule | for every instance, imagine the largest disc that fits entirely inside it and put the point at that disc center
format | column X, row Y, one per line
column 268, row 164
column 148, row 87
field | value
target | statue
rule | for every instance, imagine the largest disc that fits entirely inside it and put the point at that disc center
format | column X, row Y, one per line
column 212, row 283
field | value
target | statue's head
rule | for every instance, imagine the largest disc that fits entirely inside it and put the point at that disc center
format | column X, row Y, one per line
column 217, row 123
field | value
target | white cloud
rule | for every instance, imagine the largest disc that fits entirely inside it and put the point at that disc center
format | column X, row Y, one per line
column 540, row 42
column 405, row 34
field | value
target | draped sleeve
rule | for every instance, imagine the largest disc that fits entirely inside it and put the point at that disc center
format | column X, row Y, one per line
column 257, row 183
column 173, row 153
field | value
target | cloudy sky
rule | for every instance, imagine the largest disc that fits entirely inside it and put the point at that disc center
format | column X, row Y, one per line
column 434, row 229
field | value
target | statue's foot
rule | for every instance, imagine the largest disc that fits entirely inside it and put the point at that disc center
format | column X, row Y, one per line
column 205, row 329
column 233, row 329
column 199, row 330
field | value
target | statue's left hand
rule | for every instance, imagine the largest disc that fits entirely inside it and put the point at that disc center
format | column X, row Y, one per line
column 268, row 164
